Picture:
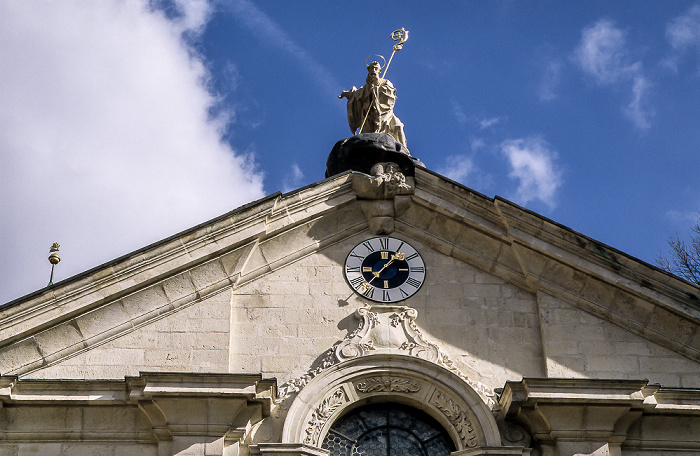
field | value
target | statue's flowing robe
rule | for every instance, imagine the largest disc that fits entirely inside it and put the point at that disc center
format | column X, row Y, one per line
column 379, row 100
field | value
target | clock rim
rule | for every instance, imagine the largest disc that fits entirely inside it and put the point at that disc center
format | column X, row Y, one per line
column 347, row 281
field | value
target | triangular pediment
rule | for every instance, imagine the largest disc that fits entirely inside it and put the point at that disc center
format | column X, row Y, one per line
column 190, row 281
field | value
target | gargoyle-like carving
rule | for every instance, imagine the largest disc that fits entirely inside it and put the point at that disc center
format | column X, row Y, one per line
column 457, row 417
column 387, row 384
column 386, row 193
column 385, row 181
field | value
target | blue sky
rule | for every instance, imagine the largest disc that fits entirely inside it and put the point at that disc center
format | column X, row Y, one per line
column 124, row 122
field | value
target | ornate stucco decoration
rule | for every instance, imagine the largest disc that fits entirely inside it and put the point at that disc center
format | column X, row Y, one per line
column 392, row 377
column 388, row 384
column 385, row 193
column 458, row 417
column 321, row 414
column 384, row 329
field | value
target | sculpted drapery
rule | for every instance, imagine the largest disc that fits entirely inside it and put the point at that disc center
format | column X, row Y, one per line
column 373, row 105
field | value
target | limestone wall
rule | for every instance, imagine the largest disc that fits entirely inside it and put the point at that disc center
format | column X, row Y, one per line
column 195, row 338
column 282, row 323
column 578, row 344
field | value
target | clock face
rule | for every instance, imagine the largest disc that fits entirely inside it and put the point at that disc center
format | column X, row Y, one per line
column 385, row 269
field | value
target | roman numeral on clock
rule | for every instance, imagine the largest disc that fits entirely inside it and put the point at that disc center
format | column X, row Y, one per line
column 357, row 281
column 369, row 292
column 413, row 282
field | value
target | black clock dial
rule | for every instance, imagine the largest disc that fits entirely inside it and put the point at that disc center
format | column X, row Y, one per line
column 385, row 269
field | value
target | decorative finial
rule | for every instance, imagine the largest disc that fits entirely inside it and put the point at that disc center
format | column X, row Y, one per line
column 54, row 259
column 371, row 107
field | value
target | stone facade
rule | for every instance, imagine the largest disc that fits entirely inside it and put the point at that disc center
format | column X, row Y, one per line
column 242, row 337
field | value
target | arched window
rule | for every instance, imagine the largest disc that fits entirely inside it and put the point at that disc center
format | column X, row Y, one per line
column 387, row 429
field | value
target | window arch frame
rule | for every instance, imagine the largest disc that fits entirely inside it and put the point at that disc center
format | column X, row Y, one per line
column 416, row 416
column 407, row 380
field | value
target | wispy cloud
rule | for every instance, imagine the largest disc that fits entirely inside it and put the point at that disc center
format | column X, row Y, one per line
column 265, row 29
column 477, row 143
column 459, row 113
column 603, row 55
column 683, row 34
column 293, row 179
column 683, row 218
column 489, row 122
column 458, row 168
column 549, row 82
column 483, row 123
column 532, row 163
column 638, row 110
column 112, row 144
column 684, row 31
column 462, row 168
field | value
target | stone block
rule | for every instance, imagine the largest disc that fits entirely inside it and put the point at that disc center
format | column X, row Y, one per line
column 209, row 360
column 669, row 363
column 254, row 265
column 8, row 450
column 201, row 325
column 104, row 321
column 170, row 357
column 115, row 357
column 211, row 341
column 208, row 276
column 178, row 287
column 566, row 366
column 233, row 261
column 245, row 363
column 57, row 340
column 627, row 366
column 135, row 449
column 19, row 357
column 40, row 449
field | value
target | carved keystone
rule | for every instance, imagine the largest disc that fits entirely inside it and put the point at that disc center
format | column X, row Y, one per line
column 385, row 194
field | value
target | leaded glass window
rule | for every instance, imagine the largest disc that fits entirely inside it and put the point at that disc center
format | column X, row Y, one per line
column 387, row 430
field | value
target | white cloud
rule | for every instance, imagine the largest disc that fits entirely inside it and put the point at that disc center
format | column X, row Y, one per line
column 106, row 143
column 532, row 163
column 637, row 110
column 477, row 143
column 684, row 31
column 683, row 34
column 459, row 113
column 547, row 89
column 463, row 169
column 490, row 122
column 603, row 55
column 271, row 32
column 293, row 180
column 459, row 168
column 683, row 218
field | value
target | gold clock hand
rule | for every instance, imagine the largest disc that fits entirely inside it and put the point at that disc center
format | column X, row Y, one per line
column 396, row 256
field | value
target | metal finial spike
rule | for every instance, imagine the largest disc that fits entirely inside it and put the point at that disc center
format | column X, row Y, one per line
column 54, row 259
